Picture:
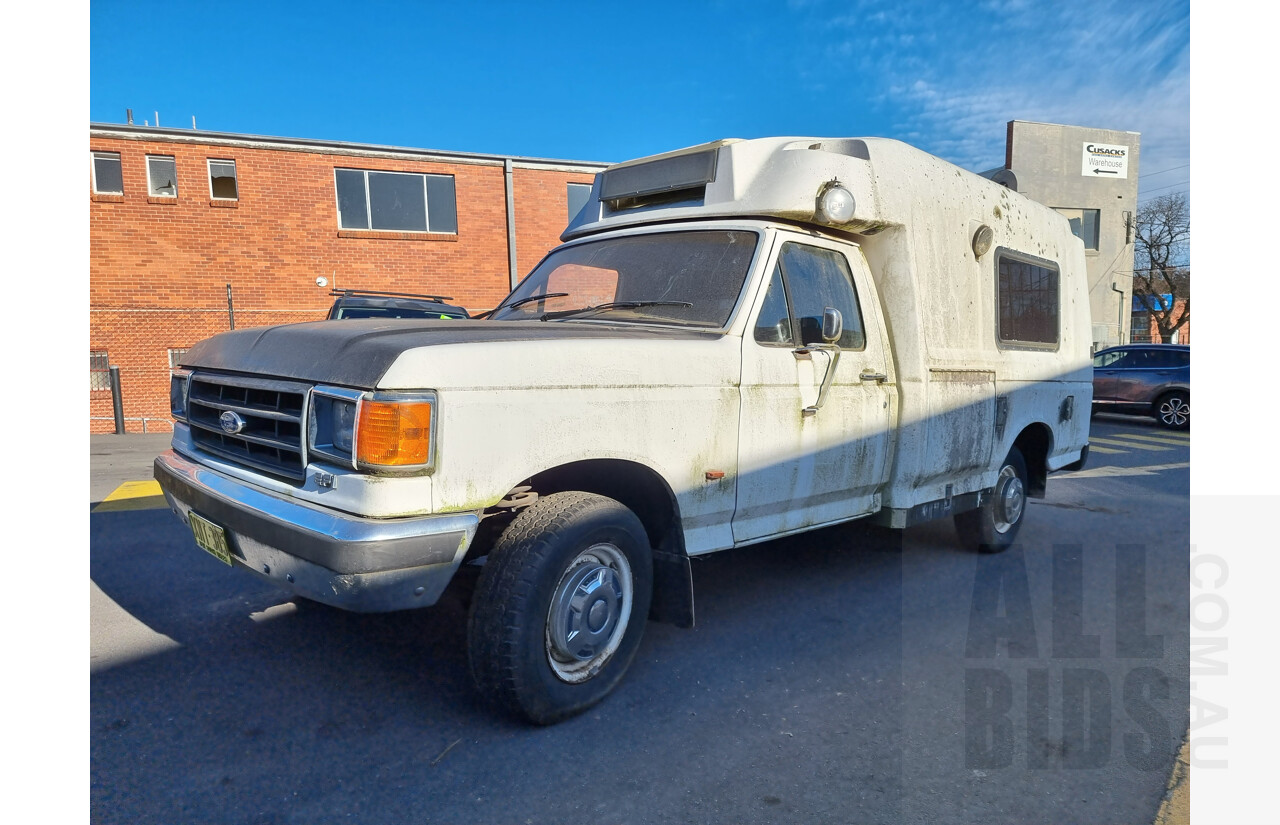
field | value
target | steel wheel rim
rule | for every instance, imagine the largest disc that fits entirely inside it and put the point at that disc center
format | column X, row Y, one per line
column 1011, row 498
column 589, row 613
column 1175, row 412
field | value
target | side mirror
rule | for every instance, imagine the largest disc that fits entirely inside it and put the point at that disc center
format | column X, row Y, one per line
column 832, row 325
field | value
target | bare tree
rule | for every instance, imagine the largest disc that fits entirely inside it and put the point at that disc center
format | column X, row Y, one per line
column 1161, row 259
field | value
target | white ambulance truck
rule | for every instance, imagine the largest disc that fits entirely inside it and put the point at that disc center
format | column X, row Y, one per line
column 735, row 342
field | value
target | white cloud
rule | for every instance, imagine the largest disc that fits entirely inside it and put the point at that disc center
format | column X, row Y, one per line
column 954, row 74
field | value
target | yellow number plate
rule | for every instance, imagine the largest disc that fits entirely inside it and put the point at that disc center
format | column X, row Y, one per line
column 210, row 537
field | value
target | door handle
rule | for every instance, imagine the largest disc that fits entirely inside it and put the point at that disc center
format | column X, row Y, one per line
column 870, row 375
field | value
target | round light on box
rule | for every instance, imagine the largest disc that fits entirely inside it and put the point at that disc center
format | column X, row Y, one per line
column 835, row 203
column 982, row 239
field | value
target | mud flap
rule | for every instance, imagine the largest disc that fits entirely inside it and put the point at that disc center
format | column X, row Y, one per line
column 672, row 589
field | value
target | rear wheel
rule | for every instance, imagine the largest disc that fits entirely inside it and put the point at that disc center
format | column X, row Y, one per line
column 560, row 606
column 1174, row 411
column 992, row 527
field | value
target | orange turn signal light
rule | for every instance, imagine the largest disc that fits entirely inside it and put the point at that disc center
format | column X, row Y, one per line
column 394, row 433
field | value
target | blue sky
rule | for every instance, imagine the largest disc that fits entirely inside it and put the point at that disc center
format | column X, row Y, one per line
column 614, row 81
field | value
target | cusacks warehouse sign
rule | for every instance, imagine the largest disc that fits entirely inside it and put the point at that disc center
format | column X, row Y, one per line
column 1103, row 160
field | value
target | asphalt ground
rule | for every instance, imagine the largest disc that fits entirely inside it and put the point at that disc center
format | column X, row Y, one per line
column 832, row 677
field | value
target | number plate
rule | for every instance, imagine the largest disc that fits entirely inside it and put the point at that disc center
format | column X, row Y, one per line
column 210, row 537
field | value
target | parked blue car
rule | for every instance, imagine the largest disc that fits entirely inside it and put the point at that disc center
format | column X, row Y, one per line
column 1145, row 379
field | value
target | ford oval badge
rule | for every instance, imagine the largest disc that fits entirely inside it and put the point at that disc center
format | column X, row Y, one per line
column 231, row 422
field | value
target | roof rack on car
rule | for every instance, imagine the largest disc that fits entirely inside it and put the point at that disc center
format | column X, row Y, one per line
column 349, row 293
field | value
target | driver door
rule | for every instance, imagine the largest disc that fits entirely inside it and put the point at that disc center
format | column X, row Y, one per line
column 797, row 467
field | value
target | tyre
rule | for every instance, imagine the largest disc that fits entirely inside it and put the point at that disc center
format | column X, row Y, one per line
column 560, row 606
column 1174, row 411
column 992, row 527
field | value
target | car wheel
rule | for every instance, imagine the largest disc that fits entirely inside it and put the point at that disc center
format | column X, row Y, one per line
column 1174, row 411
column 992, row 527
column 560, row 606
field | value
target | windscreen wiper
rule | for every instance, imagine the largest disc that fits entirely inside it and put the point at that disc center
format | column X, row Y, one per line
column 565, row 313
column 522, row 302
column 533, row 298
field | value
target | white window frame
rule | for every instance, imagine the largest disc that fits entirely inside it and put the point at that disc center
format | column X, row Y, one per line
column 368, row 201
column 180, row 351
column 235, row 175
column 93, row 166
column 151, row 189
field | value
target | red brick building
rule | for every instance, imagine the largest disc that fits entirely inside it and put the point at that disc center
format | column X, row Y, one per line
column 1146, row 331
column 190, row 229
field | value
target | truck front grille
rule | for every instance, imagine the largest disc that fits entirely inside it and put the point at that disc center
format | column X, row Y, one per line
column 271, row 416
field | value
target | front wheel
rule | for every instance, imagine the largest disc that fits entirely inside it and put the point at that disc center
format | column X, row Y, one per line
column 1174, row 411
column 560, row 606
column 992, row 527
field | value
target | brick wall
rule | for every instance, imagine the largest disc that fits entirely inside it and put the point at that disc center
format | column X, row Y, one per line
column 160, row 267
column 542, row 212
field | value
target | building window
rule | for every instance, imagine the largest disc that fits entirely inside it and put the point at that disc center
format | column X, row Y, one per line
column 175, row 357
column 578, row 195
column 222, row 180
column 1140, row 328
column 162, row 176
column 1084, row 225
column 107, row 178
column 1027, row 294
column 396, row 201
column 99, row 370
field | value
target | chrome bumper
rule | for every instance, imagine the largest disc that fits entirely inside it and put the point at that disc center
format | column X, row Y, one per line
column 359, row 564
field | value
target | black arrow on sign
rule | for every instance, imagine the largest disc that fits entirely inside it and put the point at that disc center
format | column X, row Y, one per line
column 1105, row 172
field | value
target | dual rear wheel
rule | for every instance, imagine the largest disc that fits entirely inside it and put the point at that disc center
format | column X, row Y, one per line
column 992, row 527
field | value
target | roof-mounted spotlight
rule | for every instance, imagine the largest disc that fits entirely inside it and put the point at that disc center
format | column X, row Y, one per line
column 835, row 203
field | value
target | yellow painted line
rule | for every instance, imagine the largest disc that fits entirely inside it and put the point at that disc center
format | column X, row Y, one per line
column 1157, row 439
column 1094, row 448
column 135, row 489
column 134, row 495
column 1131, row 444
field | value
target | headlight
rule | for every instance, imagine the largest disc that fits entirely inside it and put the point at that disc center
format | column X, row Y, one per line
column 344, row 425
column 331, row 426
column 179, row 385
column 373, row 430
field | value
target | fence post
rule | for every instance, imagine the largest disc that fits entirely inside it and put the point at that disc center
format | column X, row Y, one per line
column 117, row 405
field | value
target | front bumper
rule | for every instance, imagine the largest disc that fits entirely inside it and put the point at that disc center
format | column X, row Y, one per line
column 359, row 564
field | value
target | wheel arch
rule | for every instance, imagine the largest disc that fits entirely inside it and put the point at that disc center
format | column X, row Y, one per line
column 647, row 494
column 1168, row 390
column 1035, row 442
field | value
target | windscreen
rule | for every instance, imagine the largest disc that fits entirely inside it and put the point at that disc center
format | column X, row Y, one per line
column 688, row 278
